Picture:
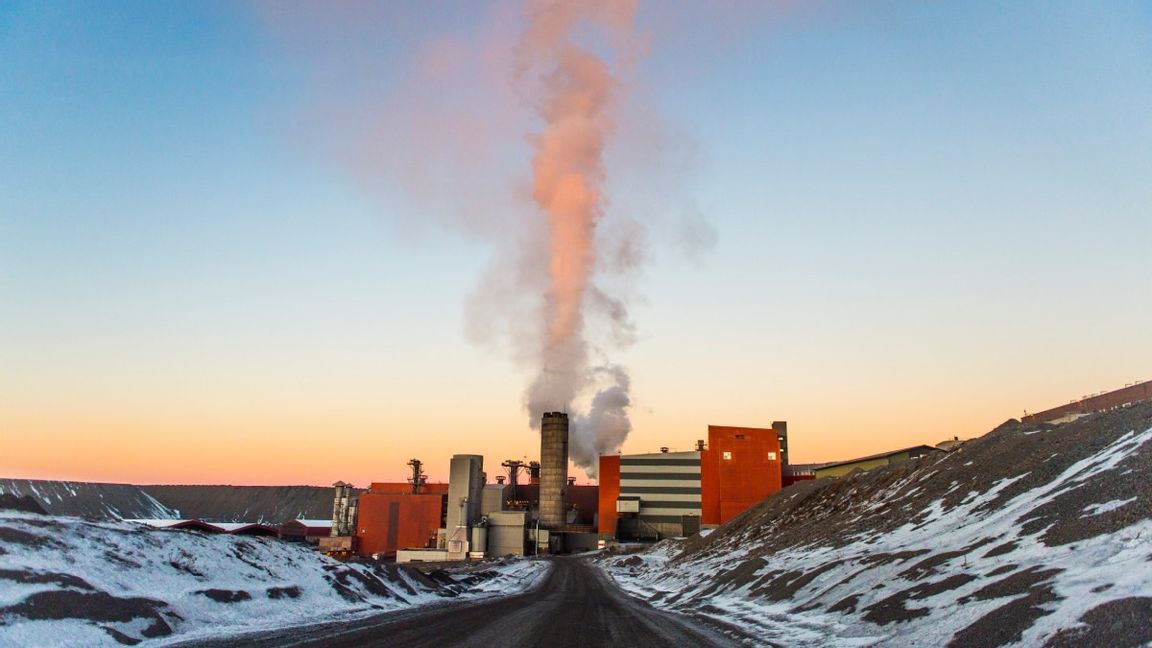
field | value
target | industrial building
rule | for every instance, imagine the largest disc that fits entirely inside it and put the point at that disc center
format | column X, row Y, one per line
column 794, row 473
column 469, row 517
column 666, row 494
column 652, row 495
column 389, row 521
column 305, row 530
column 842, row 468
column 1123, row 397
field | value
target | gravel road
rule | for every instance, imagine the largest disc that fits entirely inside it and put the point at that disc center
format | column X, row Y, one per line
column 574, row 606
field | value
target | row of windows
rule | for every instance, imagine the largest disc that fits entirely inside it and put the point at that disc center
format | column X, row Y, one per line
column 728, row 455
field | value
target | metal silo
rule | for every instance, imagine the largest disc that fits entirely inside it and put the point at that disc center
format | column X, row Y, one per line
column 553, row 468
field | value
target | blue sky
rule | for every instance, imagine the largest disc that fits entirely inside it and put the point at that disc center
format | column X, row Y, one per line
column 927, row 216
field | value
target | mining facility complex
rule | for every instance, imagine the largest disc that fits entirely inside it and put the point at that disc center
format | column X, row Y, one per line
column 639, row 497
column 536, row 508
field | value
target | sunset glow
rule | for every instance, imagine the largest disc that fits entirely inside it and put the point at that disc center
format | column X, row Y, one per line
column 268, row 244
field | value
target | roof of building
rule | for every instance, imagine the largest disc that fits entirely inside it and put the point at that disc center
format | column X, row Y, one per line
column 882, row 455
column 190, row 523
column 326, row 523
column 237, row 527
column 951, row 444
column 211, row 527
column 401, row 488
column 656, row 456
column 796, row 469
column 160, row 524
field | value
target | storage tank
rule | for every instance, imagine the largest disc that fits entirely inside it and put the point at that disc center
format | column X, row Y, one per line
column 479, row 539
column 465, row 485
column 553, row 468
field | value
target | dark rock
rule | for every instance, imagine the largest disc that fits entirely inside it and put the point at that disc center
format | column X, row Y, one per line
column 226, row 596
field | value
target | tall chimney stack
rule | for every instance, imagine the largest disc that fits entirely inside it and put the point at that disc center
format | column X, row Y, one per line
column 553, row 468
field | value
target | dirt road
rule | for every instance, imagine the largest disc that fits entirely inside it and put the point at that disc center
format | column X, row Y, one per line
column 575, row 606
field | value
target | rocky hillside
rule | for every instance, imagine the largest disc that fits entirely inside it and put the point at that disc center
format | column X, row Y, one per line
column 97, row 501
column 267, row 504
column 72, row 582
column 1035, row 536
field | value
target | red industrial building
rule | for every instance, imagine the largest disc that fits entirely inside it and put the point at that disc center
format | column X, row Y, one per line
column 609, row 492
column 670, row 493
column 306, row 530
column 794, row 473
column 392, row 517
column 740, row 467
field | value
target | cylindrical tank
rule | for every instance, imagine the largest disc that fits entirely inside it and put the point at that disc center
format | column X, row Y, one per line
column 480, row 539
column 553, row 468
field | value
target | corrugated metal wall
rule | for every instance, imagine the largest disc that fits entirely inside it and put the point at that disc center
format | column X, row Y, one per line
column 748, row 467
column 609, row 490
column 390, row 521
column 667, row 483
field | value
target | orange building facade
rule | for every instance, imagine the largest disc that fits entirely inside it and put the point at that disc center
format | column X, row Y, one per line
column 389, row 520
column 740, row 467
column 609, row 490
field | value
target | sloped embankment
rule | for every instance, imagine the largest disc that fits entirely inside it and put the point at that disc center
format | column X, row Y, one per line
column 1039, row 535
column 67, row 581
column 266, row 504
column 91, row 500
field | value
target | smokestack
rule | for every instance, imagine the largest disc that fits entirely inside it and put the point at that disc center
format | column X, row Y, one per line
column 534, row 473
column 553, row 468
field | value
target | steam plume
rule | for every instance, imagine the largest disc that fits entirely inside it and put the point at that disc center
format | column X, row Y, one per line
column 576, row 96
column 446, row 128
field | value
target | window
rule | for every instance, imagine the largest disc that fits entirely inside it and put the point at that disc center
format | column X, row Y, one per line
column 739, row 436
column 727, row 456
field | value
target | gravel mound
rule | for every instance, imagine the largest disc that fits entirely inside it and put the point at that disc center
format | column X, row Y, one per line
column 1021, row 535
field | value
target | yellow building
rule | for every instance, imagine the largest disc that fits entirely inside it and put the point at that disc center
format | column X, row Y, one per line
column 842, row 468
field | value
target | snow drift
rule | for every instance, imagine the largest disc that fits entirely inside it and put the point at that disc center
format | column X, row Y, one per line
column 1037, row 536
column 67, row 581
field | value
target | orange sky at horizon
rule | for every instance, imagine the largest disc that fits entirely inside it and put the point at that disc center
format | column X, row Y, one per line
column 300, row 447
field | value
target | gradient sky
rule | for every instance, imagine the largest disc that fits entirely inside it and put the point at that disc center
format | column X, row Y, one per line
column 912, row 219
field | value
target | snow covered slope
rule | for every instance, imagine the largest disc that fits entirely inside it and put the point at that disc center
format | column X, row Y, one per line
column 1035, row 536
column 67, row 581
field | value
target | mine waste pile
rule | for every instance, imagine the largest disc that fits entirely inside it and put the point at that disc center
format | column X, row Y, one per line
column 1030, row 535
column 67, row 581
column 263, row 504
